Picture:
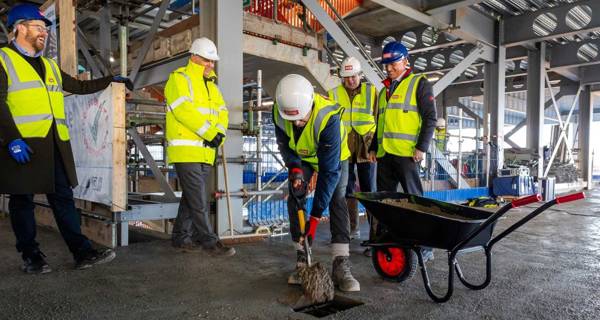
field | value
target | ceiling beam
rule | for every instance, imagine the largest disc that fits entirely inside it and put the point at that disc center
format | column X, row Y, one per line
column 518, row 30
column 466, row 23
column 441, row 6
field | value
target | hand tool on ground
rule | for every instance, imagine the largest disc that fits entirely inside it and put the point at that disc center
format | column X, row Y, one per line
column 316, row 281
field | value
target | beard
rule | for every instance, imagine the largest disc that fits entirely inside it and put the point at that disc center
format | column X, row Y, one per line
column 37, row 42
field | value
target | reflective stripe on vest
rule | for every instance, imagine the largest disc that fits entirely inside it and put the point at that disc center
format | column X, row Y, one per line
column 307, row 144
column 34, row 102
column 186, row 145
column 357, row 117
column 399, row 121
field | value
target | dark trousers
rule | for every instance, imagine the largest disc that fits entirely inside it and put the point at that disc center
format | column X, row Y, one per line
column 392, row 170
column 338, row 211
column 22, row 218
column 365, row 172
column 192, row 223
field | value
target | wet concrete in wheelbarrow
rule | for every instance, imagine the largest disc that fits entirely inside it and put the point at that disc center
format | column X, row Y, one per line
column 548, row 269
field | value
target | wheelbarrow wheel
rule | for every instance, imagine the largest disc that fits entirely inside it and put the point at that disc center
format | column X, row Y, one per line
column 395, row 264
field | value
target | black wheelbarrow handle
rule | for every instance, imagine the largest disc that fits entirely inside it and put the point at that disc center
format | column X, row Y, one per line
column 516, row 225
column 493, row 218
column 534, row 213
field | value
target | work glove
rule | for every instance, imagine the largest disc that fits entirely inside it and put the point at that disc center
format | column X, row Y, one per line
column 124, row 80
column 20, row 151
column 311, row 229
column 296, row 178
column 216, row 141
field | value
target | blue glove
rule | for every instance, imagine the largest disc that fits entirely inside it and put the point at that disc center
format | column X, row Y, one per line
column 19, row 150
column 124, row 80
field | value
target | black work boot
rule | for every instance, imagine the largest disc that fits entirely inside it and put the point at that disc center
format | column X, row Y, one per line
column 35, row 263
column 342, row 277
column 301, row 261
column 219, row 249
column 94, row 257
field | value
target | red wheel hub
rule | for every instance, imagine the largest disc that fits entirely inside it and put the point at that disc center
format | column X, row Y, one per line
column 392, row 261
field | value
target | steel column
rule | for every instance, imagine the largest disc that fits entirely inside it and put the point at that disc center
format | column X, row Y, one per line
column 536, row 103
column 494, row 103
column 585, row 135
column 222, row 21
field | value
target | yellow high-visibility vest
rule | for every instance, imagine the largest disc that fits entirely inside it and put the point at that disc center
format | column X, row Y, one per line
column 399, row 120
column 196, row 112
column 34, row 103
column 308, row 142
column 358, row 114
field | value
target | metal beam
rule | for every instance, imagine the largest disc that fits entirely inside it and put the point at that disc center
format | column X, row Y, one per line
column 413, row 14
column 589, row 74
column 519, row 30
column 494, row 103
column 479, row 51
column 442, row 8
column 575, row 54
column 547, row 105
column 160, row 72
column 342, row 40
column 470, row 112
column 164, row 184
column 585, row 135
column 535, row 103
column 148, row 40
column 85, row 50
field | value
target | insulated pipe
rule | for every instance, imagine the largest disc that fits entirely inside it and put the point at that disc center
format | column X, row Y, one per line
column 259, row 127
column 123, row 47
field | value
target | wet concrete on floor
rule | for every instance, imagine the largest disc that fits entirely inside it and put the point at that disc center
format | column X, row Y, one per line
column 548, row 269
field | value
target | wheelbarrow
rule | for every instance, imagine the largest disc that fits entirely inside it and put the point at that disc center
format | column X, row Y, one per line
column 408, row 223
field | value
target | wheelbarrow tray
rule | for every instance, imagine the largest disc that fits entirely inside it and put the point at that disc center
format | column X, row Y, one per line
column 445, row 226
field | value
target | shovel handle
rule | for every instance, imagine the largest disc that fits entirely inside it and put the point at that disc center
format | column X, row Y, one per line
column 570, row 197
column 526, row 200
column 301, row 220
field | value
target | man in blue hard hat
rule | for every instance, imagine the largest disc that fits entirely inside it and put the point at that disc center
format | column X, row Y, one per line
column 35, row 154
column 405, row 124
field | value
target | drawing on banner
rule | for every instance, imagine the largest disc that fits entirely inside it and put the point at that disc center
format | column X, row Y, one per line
column 90, row 127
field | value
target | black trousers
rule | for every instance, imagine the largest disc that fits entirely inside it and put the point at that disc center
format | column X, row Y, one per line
column 392, row 170
column 365, row 174
column 338, row 211
column 22, row 218
column 192, row 223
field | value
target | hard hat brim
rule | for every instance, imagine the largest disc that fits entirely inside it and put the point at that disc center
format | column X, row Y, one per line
column 297, row 117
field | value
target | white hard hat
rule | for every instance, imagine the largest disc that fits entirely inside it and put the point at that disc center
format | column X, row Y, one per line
column 294, row 97
column 205, row 48
column 441, row 122
column 350, row 66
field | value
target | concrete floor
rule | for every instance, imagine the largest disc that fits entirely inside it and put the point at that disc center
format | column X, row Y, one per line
column 549, row 269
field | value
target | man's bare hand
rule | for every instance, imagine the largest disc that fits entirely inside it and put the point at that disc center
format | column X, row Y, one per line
column 418, row 155
column 372, row 157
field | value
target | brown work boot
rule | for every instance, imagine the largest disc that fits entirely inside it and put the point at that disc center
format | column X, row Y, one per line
column 188, row 248
column 219, row 249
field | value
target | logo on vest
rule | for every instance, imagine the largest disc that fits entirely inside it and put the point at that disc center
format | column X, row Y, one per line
column 395, row 96
column 303, row 152
column 51, row 80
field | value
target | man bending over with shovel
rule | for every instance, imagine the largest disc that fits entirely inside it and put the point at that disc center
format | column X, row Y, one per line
column 311, row 138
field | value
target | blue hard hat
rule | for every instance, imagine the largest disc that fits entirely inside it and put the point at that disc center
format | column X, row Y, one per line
column 393, row 51
column 24, row 12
